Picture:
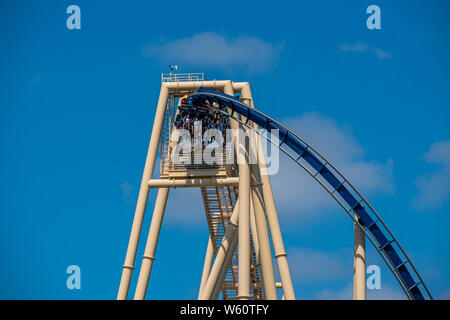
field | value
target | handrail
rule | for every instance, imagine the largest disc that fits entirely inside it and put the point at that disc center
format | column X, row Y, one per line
column 181, row 77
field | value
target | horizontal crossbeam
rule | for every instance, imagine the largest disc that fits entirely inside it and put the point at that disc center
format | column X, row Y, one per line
column 197, row 182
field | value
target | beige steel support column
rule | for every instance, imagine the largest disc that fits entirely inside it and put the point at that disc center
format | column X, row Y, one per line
column 143, row 195
column 272, row 215
column 206, row 266
column 223, row 257
column 265, row 252
column 254, row 232
column 152, row 241
column 359, row 265
column 244, row 212
column 275, row 231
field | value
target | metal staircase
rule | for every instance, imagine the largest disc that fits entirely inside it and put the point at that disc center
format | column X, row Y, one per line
column 165, row 135
column 219, row 203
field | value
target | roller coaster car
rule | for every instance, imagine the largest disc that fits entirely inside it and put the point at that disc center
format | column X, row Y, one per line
column 196, row 110
column 190, row 108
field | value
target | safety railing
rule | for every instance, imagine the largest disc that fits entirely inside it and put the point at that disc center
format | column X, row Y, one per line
column 182, row 77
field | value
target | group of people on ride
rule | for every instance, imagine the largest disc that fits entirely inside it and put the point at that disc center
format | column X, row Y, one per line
column 198, row 120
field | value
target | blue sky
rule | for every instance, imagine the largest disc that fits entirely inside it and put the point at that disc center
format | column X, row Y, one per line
column 77, row 107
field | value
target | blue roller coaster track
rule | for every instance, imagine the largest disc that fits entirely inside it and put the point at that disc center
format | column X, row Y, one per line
column 347, row 196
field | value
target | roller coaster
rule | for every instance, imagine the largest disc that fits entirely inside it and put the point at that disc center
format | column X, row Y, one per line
column 239, row 202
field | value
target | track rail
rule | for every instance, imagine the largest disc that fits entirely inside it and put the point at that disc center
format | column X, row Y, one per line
column 339, row 187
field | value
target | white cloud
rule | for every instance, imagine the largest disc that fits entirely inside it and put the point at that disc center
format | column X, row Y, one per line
column 314, row 266
column 185, row 206
column 210, row 49
column 386, row 293
column 346, row 293
column 432, row 273
column 38, row 79
column 319, row 268
column 434, row 188
column 128, row 192
column 382, row 54
column 297, row 193
column 445, row 295
column 357, row 47
column 364, row 47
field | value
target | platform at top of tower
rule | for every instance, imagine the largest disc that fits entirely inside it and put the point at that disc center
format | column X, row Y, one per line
column 182, row 77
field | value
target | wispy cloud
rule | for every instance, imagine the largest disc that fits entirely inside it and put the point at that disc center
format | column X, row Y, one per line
column 293, row 186
column 185, row 207
column 434, row 188
column 329, row 270
column 314, row 266
column 382, row 54
column 445, row 295
column 365, row 48
column 357, row 47
column 346, row 293
column 38, row 79
column 127, row 192
column 210, row 49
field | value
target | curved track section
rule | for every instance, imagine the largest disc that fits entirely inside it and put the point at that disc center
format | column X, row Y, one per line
column 334, row 183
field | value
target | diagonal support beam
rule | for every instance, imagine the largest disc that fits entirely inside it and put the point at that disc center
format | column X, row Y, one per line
column 143, row 195
column 152, row 241
column 207, row 266
column 223, row 257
